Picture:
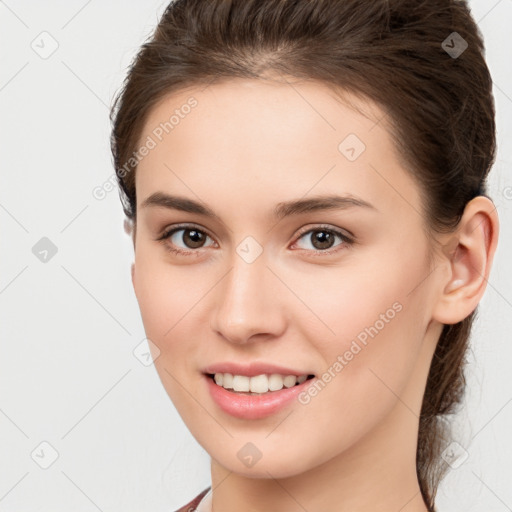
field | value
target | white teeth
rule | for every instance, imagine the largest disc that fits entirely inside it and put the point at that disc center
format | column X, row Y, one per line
column 289, row 381
column 241, row 383
column 275, row 382
column 258, row 384
column 227, row 380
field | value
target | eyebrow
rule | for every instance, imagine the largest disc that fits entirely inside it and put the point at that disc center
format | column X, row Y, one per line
column 281, row 210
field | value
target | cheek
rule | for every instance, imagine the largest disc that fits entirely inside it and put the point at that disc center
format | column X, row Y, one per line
column 368, row 292
column 369, row 318
column 165, row 293
column 167, row 299
column 172, row 301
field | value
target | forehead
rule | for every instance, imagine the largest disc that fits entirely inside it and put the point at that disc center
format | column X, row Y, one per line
column 260, row 137
column 253, row 106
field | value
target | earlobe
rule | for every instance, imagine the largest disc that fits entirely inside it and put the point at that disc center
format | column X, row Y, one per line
column 469, row 262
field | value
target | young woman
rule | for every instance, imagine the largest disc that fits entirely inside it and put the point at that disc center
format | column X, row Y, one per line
column 305, row 184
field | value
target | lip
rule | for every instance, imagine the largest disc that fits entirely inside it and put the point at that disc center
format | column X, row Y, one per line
column 253, row 407
column 253, row 369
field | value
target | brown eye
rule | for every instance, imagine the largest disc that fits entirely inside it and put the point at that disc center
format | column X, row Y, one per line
column 184, row 239
column 192, row 238
column 321, row 240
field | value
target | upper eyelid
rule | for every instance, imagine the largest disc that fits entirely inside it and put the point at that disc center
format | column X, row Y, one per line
column 166, row 232
column 327, row 227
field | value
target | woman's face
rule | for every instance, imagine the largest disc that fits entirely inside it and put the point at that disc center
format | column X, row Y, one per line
column 344, row 293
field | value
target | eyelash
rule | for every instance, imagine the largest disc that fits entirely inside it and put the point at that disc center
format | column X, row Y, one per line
column 347, row 241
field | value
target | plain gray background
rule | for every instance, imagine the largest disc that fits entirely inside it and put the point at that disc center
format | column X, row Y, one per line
column 75, row 394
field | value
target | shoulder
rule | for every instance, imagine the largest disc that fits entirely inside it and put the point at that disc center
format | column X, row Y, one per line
column 191, row 506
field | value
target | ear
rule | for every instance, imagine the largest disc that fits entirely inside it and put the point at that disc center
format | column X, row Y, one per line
column 468, row 255
column 128, row 226
column 130, row 230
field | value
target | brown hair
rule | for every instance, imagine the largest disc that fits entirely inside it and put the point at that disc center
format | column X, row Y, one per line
column 394, row 52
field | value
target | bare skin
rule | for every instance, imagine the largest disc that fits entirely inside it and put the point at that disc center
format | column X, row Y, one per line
column 247, row 146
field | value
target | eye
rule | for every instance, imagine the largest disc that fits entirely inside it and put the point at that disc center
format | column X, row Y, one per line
column 322, row 239
column 192, row 237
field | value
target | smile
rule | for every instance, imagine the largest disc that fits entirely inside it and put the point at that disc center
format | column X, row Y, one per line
column 241, row 402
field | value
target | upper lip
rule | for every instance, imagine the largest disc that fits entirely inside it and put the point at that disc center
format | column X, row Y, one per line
column 252, row 369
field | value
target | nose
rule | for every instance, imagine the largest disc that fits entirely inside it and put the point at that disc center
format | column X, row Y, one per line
column 249, row 303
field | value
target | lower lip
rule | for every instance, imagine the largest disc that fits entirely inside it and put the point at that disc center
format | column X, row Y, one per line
column 253, row 407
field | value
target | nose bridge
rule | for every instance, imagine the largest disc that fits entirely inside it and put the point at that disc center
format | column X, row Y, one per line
column 246, row 302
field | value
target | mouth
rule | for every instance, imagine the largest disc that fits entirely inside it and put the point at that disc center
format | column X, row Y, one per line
column 263, row 384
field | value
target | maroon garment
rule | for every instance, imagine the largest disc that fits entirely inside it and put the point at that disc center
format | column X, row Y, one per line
column 191, row 507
